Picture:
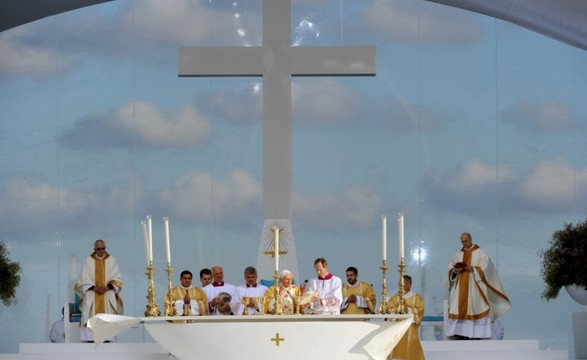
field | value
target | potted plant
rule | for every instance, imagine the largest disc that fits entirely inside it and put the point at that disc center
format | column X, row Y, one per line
column 9, row 277
column 564, row 263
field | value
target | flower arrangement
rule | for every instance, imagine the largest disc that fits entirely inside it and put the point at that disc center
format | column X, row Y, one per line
column 565, row 261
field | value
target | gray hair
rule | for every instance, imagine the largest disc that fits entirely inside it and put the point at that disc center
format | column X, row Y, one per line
column 284, row 272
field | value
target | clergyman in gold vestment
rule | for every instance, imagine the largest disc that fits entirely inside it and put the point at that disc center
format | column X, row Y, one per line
column 187, row 299
column 409, row 347
column 358, row 297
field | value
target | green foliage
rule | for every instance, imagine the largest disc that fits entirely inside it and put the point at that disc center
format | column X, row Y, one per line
column 565, row 261
column 9, row 277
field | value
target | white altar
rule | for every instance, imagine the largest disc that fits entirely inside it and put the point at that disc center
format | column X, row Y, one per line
column 267, row 336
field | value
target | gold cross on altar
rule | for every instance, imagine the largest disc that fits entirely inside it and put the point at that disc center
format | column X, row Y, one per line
column 277, row 339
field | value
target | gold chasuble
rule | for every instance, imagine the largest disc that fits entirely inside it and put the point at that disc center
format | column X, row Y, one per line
column 409, row 347
column 198, row 301
column 289, row 297
column 364, row 305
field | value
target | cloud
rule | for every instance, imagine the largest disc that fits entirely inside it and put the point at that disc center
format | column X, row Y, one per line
column 550, row 186
column 327, row 101
column 30, row 211
column 401, row 116
column 129, row 30
column 358, row 207
column 21, row 56
column 242, row 105
column 200, row 195
column 140, row 123
column 411, row 21
column 554, row 184
column 314, row 101
column 551, row 116
column 188, row 22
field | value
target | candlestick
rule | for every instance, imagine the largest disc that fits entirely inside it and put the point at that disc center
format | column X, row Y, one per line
column 384, row 236
column 276, row 248
column 167, row 246
column 400, row 221
column 146, row 239
column 150, row 236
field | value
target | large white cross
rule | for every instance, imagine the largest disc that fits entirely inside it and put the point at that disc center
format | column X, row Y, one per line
column 277, row 61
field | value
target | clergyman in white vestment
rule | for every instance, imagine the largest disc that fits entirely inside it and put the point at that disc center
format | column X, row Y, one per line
column 99, row 287
column 329, row 288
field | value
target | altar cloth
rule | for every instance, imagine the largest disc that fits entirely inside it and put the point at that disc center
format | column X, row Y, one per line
column 257, row 337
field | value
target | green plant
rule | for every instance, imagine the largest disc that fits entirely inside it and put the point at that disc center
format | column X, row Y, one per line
column 9, row 277
column 565, row 261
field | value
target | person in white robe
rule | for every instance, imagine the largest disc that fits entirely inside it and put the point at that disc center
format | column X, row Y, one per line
column 222, row 297
column 328, row 288
column 57, row 332
column 99, row 287
column 250, row 295
column 476, row 297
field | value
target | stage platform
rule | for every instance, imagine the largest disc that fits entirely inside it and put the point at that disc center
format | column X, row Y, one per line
column 434, row 350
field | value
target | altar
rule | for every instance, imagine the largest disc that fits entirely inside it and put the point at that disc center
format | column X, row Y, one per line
column 286, row 337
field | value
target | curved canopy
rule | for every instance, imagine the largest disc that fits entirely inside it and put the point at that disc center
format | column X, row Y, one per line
column 563, row 20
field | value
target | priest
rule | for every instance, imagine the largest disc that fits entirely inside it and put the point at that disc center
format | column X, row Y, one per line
column 358, row 296
column 476, row 296
column 328, row 288
column 187, row 299
column 222, row 298
column 250, row 295
column 98, row 287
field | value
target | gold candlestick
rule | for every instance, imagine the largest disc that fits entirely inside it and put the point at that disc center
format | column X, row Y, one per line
column 401, row 307
column 169, row 303
column 152, row 308
column 383, row 307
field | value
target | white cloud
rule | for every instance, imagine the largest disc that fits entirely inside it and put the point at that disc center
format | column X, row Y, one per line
column 552, row 115
column 475, row 174
column 553, row 184
column 186, row 22
column 326, row 101
column 22, row 57
column 140, row 123
column 199, row 195
column 357, row 208
column 185, row 127
column 412, row 21
column 30, row 211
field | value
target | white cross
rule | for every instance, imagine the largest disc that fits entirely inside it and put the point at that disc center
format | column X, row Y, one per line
column 277, row 61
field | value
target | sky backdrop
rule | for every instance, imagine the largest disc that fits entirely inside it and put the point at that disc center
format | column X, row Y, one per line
column 471, row 124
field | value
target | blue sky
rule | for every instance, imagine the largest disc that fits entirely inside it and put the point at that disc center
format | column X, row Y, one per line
column 471, row 124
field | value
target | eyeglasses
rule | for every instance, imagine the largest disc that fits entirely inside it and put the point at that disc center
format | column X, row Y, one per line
column 102, row 248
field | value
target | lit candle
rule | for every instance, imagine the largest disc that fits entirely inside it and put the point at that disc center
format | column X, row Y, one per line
column 276, row 229
column 400, row 221
column 150, row 236
column 384, row 235
column 146, row 239
column 167, row 246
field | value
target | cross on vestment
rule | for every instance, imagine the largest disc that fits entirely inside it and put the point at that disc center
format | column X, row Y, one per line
column 277, row 61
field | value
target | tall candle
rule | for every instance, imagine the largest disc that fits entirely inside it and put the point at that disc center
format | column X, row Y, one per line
column 150, row 236
column 146, row 239
column 167, row 246
column 400, row 221
column 384, row 236
column 276, row 245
